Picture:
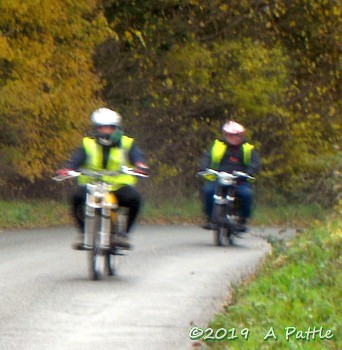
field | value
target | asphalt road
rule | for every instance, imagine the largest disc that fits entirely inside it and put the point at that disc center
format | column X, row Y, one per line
column 173, row 278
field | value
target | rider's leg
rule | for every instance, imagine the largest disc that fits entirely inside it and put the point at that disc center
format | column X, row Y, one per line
column 77, row 204
column 245, row 194
column 207, row 192
column 129, row 197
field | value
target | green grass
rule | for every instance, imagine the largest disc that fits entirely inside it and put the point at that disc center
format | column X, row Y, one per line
column 299, row 286
column 290, row 215
column 172, row 212
column 36, row 213
column 190, row 211
column 29, row 214
column 279, row 213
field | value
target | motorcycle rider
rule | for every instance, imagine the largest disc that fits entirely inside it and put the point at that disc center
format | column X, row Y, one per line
column 109, row 149
column 231, row 153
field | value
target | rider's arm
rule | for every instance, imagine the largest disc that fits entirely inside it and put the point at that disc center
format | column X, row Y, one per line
column 136, row 155
column 77, row 159
column 205, row 161
column 255, row 165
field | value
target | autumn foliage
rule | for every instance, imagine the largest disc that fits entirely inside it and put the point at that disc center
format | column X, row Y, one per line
column 176, row 70
column 47, row 81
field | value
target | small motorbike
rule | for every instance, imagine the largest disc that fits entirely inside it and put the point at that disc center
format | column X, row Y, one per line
column 103, row 219
column 226, row 204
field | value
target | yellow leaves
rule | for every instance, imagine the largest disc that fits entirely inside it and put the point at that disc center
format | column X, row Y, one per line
column 224, row 7
column 131, row 34
column 321, row 90
column 190, row 66
column 165, row 172
column 168, row 82
column 140, row 37
column 195, row 125
column 194, row 2
column 332, row 110
column 336, row 11
column 128, row 36
column 5, row 49
column 51, row 88
column 256, row 81
column 172, row 67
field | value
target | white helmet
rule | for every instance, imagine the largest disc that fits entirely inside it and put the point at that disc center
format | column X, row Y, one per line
column 105, row 116
column 233, row 128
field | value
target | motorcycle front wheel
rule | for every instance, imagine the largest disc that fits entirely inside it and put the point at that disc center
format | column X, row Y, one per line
column 111, row 262
column 230, row 233
column 219, row 235
column 95, row 257
column 223, row 235
column 112, row 257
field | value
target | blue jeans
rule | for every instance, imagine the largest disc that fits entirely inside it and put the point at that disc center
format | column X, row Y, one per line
column 244, row 192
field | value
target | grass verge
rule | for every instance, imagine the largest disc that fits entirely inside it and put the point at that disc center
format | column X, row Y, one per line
column 297, row 288
column 290, row 215
column 172, row 212
column 34, row 213
column 30, row 214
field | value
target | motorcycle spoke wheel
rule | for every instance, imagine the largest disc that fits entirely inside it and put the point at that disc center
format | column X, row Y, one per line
column 230, row 235
column 95, row 253
column 108, row 265
column 111, row 264
column 219, row 235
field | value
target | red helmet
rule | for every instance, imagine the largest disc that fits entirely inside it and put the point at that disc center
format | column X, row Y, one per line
column 234, row 133
column 233, row 128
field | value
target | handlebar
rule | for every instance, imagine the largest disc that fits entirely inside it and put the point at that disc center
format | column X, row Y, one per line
column 97, row 174
column 222, row 174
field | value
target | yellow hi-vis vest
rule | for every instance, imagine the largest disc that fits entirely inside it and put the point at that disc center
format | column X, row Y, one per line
column 118, row 156
column 218, row 150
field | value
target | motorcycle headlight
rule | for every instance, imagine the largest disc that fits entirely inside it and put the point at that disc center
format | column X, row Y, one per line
column 225, row 180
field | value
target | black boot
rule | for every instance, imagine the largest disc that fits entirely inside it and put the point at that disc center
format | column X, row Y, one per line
column 121, row 240
column 241, row 225
column 208, row 225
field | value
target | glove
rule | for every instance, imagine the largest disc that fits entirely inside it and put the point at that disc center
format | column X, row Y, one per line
column 141, row 168
column 63, row 172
